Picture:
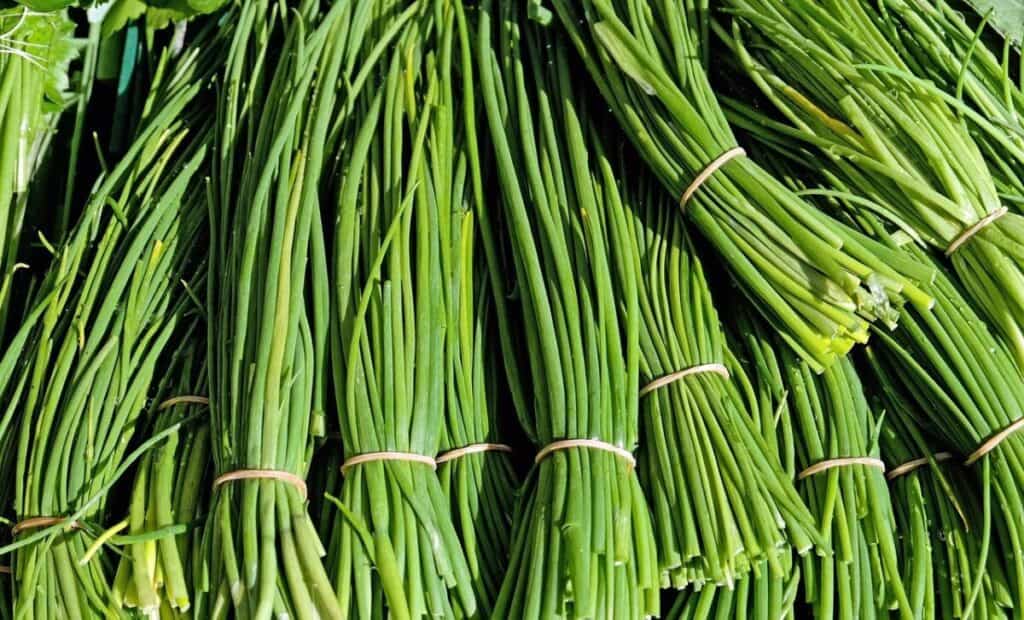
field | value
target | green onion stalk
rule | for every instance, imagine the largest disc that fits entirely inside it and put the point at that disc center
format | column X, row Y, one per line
column 77, row 373
column 481, row 486
column 161, row 535
column 395, row 549
column 845, row 89
column 720, row 500
column 937, row 508
column 36, row 50
column 267, row 307
column 832, row 420
column 809, row 275
column 583, row 544
column 762, row 592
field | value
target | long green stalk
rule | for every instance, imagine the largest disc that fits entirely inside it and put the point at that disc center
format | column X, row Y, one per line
column 816, row 283
column 582, row 545
column 35, row 53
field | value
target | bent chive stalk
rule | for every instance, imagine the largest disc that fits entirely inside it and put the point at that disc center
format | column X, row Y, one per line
column 808, row 274
column 582, row 545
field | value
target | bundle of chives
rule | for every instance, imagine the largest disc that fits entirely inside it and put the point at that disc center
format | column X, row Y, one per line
column 275, row 110
column 396, row 546
column 844, row 483
column 814, row 281
column 938, row 43
column 844, row 87
column 936, row 510
column 475, row 467
column 762, row 593
column 155, row 574
column 720, row 499
column 970, row 393
column 35, row 52
column 582, row 545
column 76, row 374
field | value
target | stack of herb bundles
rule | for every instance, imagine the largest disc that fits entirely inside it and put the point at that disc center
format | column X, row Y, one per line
column 394, row 547
column 582, row 544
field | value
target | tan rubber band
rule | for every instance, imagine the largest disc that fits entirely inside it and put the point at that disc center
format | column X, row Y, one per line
column 974, row 229
column 177, row 400
column 710, row 169
column 33, row 523
column 370, row 457
column 994, row 441
column 451, row 455
column 661, row 382
column 915, row 464
column 5, row 570
column 263, row 474
column 595, row 444
column 827, row 464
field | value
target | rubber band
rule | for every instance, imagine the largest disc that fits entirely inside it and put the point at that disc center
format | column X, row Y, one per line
column 993, row 441
column 263, row 474
column 370, row 457
column 661, row 382
column 846, row 461
column 475, row 448
column 915, row 464
column 34, row 523
column 595, row 444
column 710, row 169
column 974, row 229
column 5, row 570
column 178, row 400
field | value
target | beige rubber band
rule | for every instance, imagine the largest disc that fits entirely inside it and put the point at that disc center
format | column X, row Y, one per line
column 661, row 382
column 827, row 464
column 451, row 455
column 263, row 474
column 994, row 441
column 370, row 457
column 565, row 444
column 33, row 523
column 915, row 464
column 5, row 570
column 974, row 229
column 177, row 400
column 710, row 169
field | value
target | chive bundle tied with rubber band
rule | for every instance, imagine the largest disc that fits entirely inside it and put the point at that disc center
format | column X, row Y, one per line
column 845, row 461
